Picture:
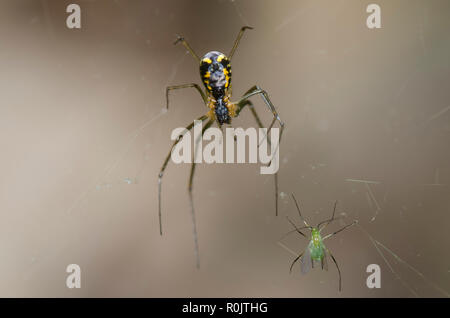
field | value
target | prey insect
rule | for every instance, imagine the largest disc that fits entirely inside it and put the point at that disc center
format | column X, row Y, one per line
column 215, row 73
column 316, row 252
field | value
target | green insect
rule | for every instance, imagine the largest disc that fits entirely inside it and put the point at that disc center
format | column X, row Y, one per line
column 316, row 251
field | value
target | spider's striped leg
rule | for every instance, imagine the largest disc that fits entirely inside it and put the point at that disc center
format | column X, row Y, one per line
column 191, row 199
column 187, row 46
column 238, row 38
column 161, row 172
column 244, row 102
column 169, row 88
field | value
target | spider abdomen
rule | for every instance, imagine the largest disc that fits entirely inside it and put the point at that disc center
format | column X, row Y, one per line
column 215, row 71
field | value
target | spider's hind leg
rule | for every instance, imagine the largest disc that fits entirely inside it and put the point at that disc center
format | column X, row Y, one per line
column 164, row 166
column 191, row 198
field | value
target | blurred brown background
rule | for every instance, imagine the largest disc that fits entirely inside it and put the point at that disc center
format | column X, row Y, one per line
column 83, row 138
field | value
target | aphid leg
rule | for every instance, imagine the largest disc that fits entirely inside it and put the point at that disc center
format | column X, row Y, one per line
column 337, row 266
column 326, row 222
column 191, row 199
column 293, row 231
column 238, row 38
column 169, row 88
column 296, row 228
column 340, row 230
column 163, row 168
column 323, row 261
column 187, row 46
column 295, row 260
column 299, row 213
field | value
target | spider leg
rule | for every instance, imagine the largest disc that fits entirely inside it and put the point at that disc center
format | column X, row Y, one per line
column 169, row 88
column 238, row 38
column 347, row 226
column 191, row 199
column 295, row 260
column 244, row 102
column 187, row 46
column 163, row 168
column 256, row 90
column 255, row 114
column 337, row 266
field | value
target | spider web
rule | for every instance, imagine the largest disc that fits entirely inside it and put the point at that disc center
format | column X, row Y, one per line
column 373, row 200
column 376, row 192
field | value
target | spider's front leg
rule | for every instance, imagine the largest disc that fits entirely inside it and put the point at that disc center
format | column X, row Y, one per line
column 256, row 90
column 169, row 88
column 187, row 46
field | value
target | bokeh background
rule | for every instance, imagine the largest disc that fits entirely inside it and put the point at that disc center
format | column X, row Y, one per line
column 83, row 136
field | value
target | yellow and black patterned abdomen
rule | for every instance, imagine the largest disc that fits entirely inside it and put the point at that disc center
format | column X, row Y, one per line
column 215, row 71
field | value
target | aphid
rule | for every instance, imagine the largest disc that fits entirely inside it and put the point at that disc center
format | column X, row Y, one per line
column 316, row 252
column 215, row 73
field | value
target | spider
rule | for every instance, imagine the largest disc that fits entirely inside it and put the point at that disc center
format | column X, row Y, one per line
column 316, row 250
column 215, row 73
